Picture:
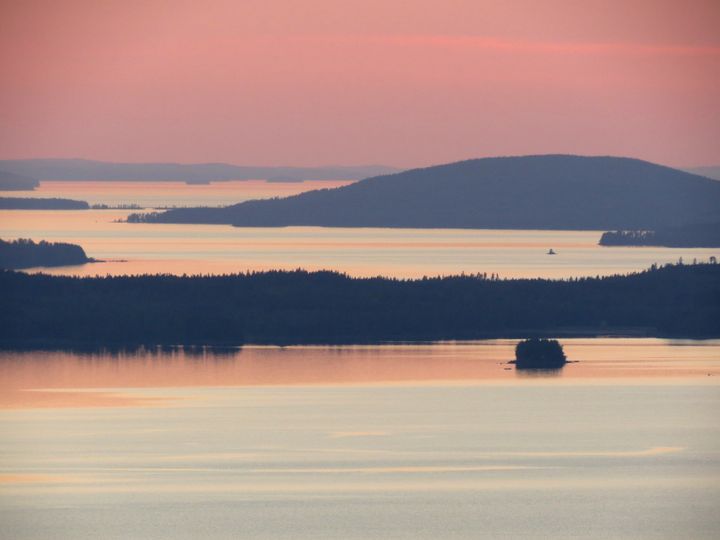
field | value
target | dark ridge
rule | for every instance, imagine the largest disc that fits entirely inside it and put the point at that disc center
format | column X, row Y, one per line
column 705, row 235
column 25, row 253
column 81, row 169
column 531, row 192
column 20, row 203
column 330, row 308
column 16, row 182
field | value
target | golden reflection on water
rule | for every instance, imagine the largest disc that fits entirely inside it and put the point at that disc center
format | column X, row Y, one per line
column 64, row 379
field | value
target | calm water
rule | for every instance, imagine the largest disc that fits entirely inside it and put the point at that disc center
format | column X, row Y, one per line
column 397, row 441
column 178, row 249
column 153, row 194
column 218, row 249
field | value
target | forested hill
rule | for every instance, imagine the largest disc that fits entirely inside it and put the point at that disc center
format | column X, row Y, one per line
column 326, row 307
column 531, row 192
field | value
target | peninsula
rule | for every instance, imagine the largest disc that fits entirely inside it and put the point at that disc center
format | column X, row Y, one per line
column 705, row 235
column 28, row 203
column 25, row 253
column 529, row 192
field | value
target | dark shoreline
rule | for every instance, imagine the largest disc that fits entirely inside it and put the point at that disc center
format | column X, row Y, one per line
column 703, row 235
column 327, row 308
column 32, row 203
column 610, row 333
column 24, row 253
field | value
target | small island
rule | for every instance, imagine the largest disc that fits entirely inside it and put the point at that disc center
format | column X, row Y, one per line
column 24, row 253
column 539, row 354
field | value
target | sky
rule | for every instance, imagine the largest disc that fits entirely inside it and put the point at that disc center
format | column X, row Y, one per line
column 395, row 82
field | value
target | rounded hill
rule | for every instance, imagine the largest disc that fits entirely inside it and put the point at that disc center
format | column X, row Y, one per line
column 529, row 192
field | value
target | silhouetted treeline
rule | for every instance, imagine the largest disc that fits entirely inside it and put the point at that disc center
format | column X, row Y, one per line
column 28, row 203
column 700, row 235
column 528, row 192
column 25, row 253
column 326, row 307
column 131, row 206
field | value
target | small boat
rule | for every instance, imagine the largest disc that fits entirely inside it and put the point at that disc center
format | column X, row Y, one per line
column 551, row 252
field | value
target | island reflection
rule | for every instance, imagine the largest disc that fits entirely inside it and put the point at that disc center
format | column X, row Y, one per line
column 66, row 378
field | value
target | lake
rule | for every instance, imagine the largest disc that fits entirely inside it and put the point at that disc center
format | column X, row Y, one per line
column 406, row 441
column 151, row 194
column 397, row 441
column 137, row 248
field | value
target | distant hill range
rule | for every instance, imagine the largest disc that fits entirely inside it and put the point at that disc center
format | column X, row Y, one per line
column 711, row 172
column 81, row 169
column 16, row 182
column 530, row 192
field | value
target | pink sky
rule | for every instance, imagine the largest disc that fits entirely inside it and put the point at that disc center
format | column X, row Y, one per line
column 398, row 82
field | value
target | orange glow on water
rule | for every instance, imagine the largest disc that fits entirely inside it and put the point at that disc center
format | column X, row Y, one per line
column 138, row 248
column 57, row 379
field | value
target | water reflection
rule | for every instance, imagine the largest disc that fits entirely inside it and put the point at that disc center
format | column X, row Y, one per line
column 405, row 253
column 130, row 351
column 537, row 373
column 318, row 442
column 26, row 376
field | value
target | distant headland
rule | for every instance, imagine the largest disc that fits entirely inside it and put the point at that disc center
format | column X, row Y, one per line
column 17, row 182
column 25, row 253
column 27, row 203
column 527, row 192
column 689, row 236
